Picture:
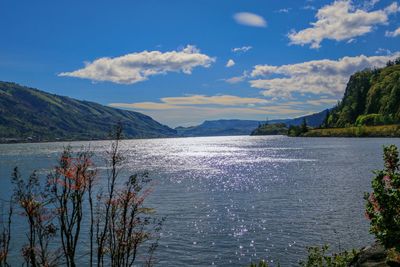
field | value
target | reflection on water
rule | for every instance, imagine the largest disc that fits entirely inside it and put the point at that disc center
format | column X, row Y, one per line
column 232, row 200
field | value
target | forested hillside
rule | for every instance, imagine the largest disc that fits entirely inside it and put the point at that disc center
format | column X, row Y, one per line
column 28, row 114
column 372, row 97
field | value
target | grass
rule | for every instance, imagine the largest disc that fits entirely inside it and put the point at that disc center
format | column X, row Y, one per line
column 357, row 131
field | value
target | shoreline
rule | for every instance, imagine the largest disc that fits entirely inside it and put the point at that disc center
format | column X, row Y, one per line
column 384, row 131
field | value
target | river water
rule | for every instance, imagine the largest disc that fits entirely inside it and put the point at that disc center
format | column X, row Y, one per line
column 232, row 200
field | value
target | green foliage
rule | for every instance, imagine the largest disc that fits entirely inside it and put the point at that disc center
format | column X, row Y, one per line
column 260, row 264
column 33, row 115
column 383, row 204
column 303, row 126
column 374, row 120
column 369, row 92
column 298, row 130
column 318, row 257
column 359, row 131
column 271, row 129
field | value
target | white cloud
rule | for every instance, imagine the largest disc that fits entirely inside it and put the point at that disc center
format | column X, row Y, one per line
column 179, row 102
column 230, row 63
column 327, row 77
column 308, row 7
column 242, row 49
column 226, row 100
column 383, row 51
column 392, row 9
column 283, row 10
column 394, row 33
column 250, row 19
column 341, row 21
column 321, row 102
column 137, row 67
column 368, row 4
column 237, row 79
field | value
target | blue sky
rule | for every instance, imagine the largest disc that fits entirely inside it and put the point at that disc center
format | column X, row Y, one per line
column 169, row 59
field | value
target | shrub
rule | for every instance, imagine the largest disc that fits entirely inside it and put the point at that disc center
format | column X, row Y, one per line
column 318, row 257
column 383, row 204
column 120, row 224
column 260, row 264
column 373, row 119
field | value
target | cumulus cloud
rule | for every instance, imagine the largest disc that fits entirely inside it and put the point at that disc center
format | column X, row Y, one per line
column 327, row 77
column 137, row 67
column 394, row 33
column 250, row 19
column 242, row 49
column 230, row 63
column 341, row 21
column 392, row 9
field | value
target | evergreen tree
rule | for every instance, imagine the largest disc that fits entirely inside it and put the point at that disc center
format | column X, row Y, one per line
column 303, row 126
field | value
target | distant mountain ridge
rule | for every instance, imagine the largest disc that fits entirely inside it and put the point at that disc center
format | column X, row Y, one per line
column 244, row 127
column 28, row 114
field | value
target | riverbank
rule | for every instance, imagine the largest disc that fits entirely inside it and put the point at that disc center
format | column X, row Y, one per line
column 356, row 131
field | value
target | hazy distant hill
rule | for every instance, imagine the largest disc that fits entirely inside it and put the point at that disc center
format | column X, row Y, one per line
column 30, row 114
column 220, row 128
column 243, row 127
column 313, row 120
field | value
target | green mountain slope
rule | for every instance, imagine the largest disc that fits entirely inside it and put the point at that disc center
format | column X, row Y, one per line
column 372, row 97
column 30, row 114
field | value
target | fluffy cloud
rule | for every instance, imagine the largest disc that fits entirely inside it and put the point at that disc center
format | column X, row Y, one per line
column 242, row 49
column 250, row 19
column 394, row 33
column 137, row 67
column 230, row 63
column 341, row 21
column 327, row 77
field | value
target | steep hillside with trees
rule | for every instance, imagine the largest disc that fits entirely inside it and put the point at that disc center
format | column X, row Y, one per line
column 372, row 97
column 28, row 114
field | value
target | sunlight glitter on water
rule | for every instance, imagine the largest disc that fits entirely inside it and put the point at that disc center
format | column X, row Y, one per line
column 232, row 200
